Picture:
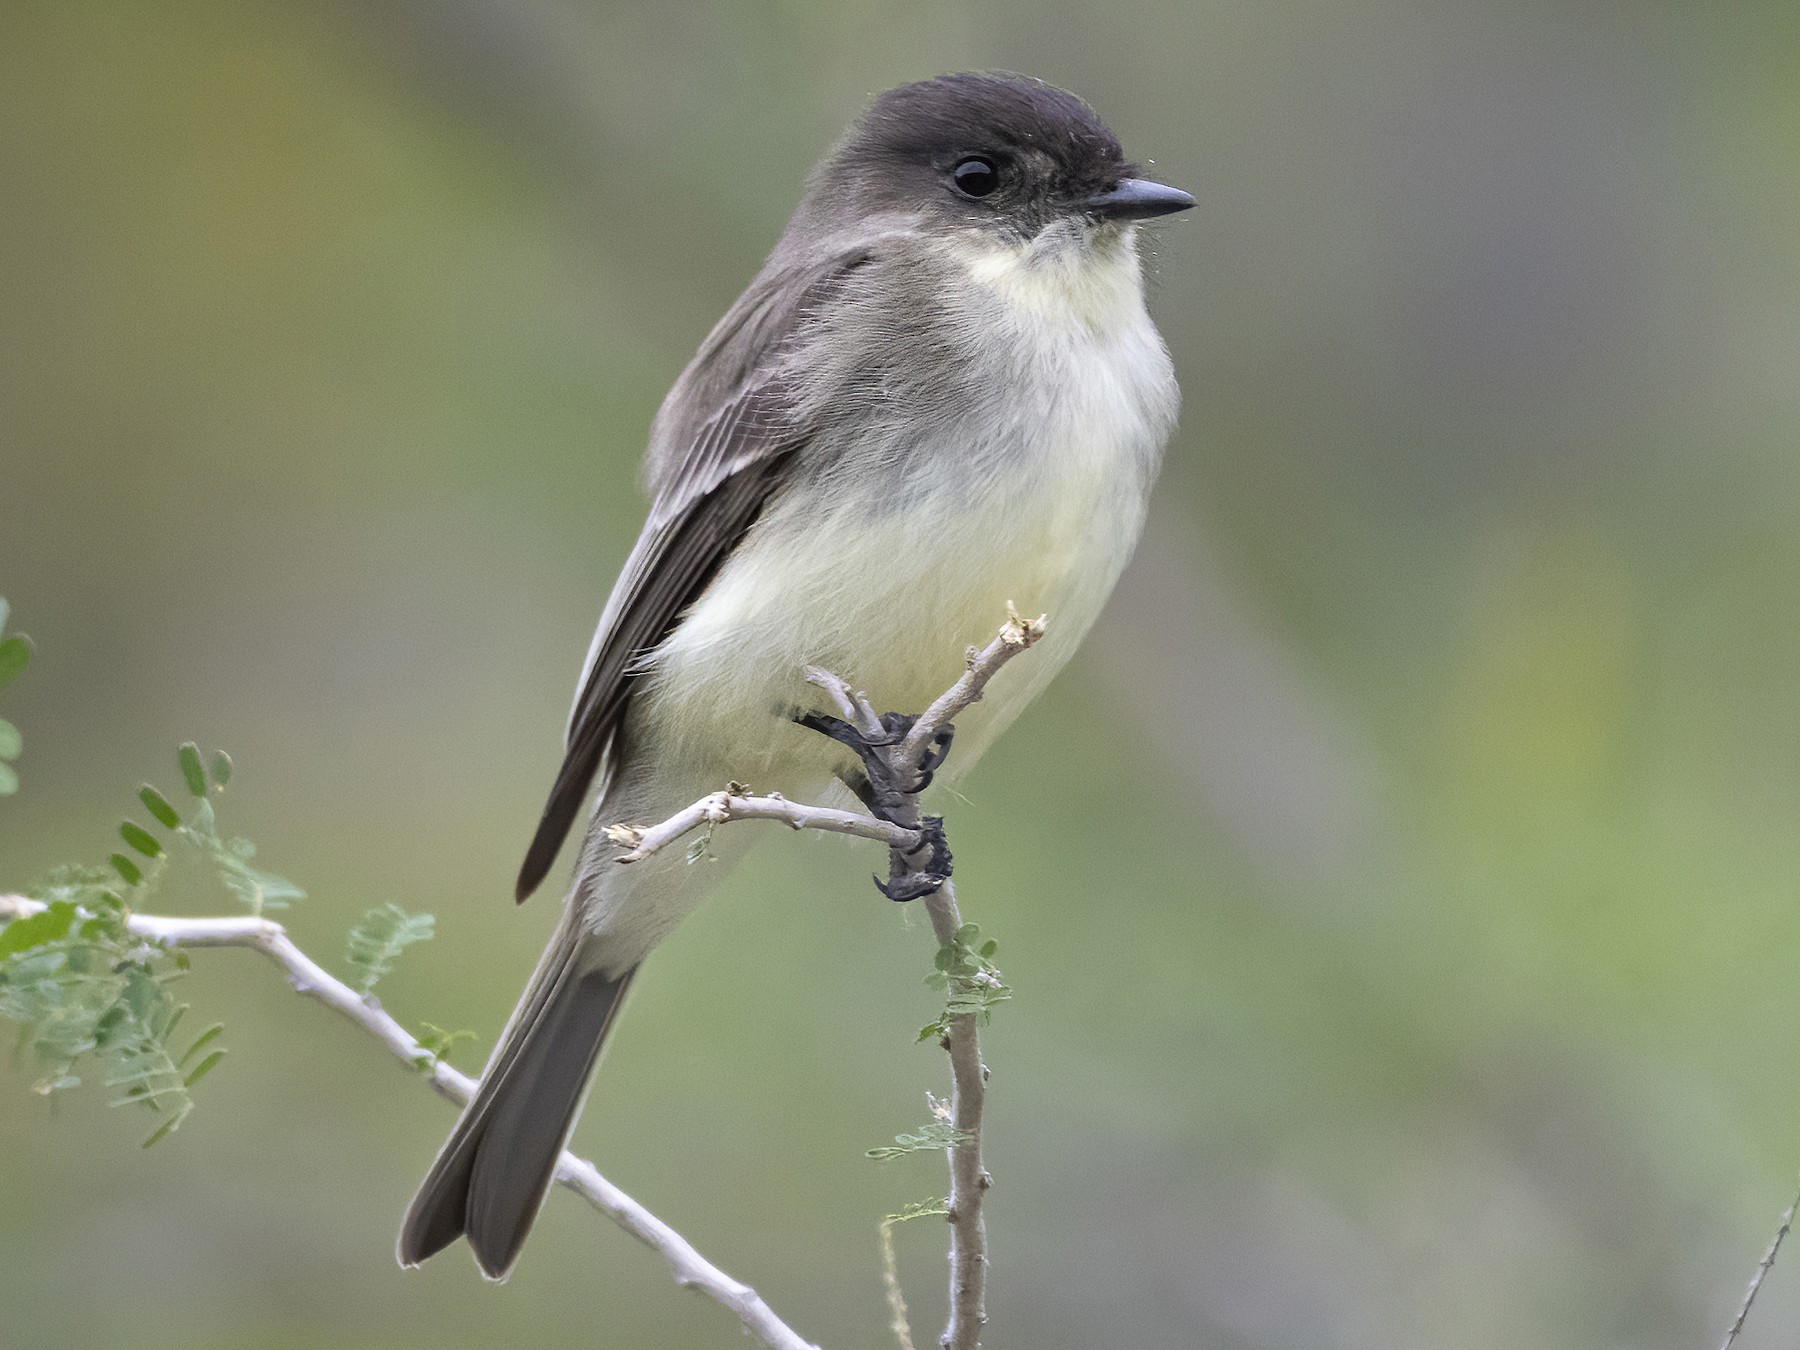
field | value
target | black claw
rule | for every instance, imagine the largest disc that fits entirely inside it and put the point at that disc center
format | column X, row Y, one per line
column 883, row 795
column 836, row 728
column 939, row 749
column 915, row 887
column 878, row 789
column 935, row 755
column 909, row 881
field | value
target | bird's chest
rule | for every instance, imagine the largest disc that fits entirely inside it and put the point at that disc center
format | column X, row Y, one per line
column 1023, row 479
column 1038, row 501
column 1039, row 495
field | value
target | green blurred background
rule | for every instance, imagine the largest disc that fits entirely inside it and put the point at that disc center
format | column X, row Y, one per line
column 1402, row 891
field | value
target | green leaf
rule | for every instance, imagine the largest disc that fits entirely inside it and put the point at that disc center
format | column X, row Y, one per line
column 203, row 1068
column 162, row 1131
column 257, row 890
column 9, row 780
column 230, row 858
column 191, row 770
column 988, row 948
column 108, row 1025
column 48, row 925
column 15, row 654
column 203, row 823
column 220, row 768
column 158, row 805
column 920, row 1209
column 206, row 1037
column 437, row 1044
column 11, row 743
column 140, row 839
column 4, row 611
column 144, row 996
column 127, row 869
column 379, row 937
column 932, row 1136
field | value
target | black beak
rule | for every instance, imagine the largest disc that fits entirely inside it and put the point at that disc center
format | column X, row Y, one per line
column 1137, row 199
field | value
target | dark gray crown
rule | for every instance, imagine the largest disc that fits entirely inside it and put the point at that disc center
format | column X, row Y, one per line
column 1052, row 150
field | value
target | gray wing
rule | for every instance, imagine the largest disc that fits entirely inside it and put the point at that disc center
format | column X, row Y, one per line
column 710, row 491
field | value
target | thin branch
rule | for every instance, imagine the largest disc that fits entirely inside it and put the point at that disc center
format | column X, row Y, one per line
column 691, row 1270
column 1768, row 1261
column 969, row 1180
column 718, row 808
column 1015, row 635
column 855, row 708
column 890, row 1286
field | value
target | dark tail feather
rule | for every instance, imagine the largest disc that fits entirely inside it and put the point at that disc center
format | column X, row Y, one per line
column 495, row 1169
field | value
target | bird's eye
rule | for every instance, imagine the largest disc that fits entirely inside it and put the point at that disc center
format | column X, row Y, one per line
column 975, row 176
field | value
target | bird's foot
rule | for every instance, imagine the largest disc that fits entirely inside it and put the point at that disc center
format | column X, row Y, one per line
column 908, row 877
column 880, row 786
column 889, row 789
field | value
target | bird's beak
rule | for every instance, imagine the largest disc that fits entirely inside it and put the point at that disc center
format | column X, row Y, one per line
column 1137, row 199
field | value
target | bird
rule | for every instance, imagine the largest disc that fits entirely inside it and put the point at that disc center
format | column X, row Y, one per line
column 941, row 394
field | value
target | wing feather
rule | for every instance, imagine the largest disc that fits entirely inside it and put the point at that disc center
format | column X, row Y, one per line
column 738, row 457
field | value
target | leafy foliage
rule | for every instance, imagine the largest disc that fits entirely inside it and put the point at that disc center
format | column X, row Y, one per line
column 258, row 891
column 929, row 1138
column 377, row 940
column 81, row 985
column 965, row 969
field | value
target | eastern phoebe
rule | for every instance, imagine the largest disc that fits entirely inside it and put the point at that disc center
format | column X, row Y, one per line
column 941, row 393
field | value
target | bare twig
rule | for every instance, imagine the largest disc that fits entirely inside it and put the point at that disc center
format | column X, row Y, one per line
column 969, row 1180
column 720, row 807
column 691, row 1270
column 1015, row 635
column 1768, row 1261
column 853, row 707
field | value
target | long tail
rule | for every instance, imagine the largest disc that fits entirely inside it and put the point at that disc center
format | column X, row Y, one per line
column 495, row 1169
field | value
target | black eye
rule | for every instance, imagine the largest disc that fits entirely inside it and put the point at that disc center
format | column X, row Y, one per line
column 975, row 176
